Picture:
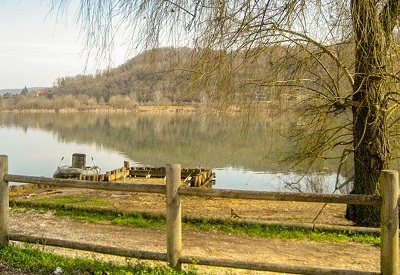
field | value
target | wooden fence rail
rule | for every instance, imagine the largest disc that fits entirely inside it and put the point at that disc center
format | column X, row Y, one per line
column 173, row 190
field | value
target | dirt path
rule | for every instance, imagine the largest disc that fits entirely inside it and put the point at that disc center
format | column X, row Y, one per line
column 202, row 244
column 198, row 243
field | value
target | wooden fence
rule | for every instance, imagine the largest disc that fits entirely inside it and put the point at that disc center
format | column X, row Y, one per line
column 174, row 190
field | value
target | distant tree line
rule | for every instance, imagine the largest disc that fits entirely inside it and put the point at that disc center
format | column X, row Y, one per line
column 174, row 76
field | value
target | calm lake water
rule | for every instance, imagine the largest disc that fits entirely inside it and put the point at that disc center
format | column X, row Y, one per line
column 243, row 152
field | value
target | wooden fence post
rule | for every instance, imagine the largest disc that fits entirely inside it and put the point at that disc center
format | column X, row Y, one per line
column 4, row 201
column 174, row 220
column 389, row 222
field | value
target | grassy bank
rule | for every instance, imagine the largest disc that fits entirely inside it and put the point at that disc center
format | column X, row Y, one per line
column 96, row 215
column 30, row 260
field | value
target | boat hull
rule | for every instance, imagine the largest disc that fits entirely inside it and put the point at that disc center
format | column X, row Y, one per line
column 68, row 172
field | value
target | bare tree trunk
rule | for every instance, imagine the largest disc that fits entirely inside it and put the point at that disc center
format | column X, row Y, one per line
column 370, row 158
column 371, row 152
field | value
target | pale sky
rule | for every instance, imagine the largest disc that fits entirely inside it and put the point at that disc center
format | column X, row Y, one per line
column 36, row 47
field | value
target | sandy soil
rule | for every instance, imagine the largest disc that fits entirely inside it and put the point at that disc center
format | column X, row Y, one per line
column 198, row 243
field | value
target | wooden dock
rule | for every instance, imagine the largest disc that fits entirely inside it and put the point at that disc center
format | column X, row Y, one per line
column 193, row 177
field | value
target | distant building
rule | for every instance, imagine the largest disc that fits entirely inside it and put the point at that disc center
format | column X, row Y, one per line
column 40, row 92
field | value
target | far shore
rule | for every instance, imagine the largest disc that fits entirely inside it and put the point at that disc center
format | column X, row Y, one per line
column 109, row 109
column 148, row 108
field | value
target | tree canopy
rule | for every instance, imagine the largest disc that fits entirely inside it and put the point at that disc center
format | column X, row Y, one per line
column 349, row 93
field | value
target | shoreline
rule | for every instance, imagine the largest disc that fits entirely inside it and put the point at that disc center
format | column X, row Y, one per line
column 232, row 109
column 138, row 109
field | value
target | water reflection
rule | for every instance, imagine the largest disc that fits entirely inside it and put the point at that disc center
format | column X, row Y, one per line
column 38, row 153
column 240, row 150
column 241, row 179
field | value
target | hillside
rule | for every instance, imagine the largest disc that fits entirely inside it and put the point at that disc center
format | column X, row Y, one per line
column 166, row 75
column 170, row 76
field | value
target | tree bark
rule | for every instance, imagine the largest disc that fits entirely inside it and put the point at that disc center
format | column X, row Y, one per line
column 371, row 151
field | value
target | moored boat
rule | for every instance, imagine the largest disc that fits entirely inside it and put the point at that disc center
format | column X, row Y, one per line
column 78, row 168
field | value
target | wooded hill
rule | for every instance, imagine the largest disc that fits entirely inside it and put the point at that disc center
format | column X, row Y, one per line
column 186, row 75
column 170, row 76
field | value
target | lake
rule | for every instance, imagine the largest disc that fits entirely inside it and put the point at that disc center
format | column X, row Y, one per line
column 245, row 152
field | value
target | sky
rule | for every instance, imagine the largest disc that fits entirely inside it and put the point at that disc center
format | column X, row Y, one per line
column 37, row 46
